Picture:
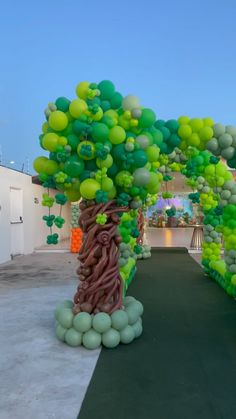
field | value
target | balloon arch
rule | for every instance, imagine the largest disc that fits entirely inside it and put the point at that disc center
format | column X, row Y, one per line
column 112, row 154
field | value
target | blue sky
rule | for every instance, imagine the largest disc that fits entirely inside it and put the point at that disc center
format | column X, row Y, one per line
column 178, row 57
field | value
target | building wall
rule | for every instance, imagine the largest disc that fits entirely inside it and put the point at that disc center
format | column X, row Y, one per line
column 34, row 228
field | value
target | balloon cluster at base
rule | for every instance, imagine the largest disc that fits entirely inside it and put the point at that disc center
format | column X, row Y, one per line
column 90, row 331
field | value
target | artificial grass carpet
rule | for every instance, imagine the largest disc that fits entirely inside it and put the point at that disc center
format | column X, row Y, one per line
column 184, row 364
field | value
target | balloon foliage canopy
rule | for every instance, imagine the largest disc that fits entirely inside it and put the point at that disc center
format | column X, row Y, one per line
column 102, row 146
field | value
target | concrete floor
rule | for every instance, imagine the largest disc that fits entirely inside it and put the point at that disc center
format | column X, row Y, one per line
column 41, row 378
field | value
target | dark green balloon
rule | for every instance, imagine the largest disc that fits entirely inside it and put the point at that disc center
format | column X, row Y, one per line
column 160, row 123
column 112, row 171
column 116, row 100
column 174, row 140
column 73, row 141
column 107, row 89
column 74, row 168
column 62, row 104
column 140, row 158
column 165, row 132
column 100, row 131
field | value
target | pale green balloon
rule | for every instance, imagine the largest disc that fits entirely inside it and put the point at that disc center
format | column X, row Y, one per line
column 82, row 322
column 225, row 140
column 60, row 306
column 127, row 335
column 92, row 339
column 128, row 299
column 111, row 338
column 65, row 318
column 132, row 312
column 228, row 153
column 60, row 332
column 119, row 319
column 73, row 338
column 218, row 130
column 137, row 328
column 230, row 129
column 136, row 305
column 101, row 322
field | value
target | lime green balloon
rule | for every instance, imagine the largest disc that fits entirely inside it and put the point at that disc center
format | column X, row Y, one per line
column 73, row 196
column 58, row 120
column 184, row 131
column 101, row 322
column 107, row 184
column 60, row 332
column 82, row 322
column 112, row 193
column 196, row 124
column 100, row 132
column 65, row 318
column 119, row 319
column 50, row 141
column 127, row 335
column 152, row 153
column 147, row 118
column 111, row 338
column 88, row 188
column 206, row 133
column 153, row 184
column 92, row 339
column 107, row 162
column 117, row 135
column 39, row 164
column 73, row 338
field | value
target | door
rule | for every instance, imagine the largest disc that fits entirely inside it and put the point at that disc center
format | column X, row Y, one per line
column 16, row 220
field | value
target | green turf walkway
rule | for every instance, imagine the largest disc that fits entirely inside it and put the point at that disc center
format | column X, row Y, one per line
column 184, row 365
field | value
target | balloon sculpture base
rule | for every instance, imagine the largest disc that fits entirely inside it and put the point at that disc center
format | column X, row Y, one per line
column 92, row 330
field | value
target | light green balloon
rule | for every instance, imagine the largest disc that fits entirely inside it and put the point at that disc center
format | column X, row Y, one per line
column 82, row 322
column 73, row 338
column 127, row 335
column 92, row 339
column 65, row 317
column 101, row 322
column 137, row 328
column 60, row 332
column 111, row 338
column 119, row 319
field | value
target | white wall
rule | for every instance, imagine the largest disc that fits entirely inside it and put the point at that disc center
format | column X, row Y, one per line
column 34, row 228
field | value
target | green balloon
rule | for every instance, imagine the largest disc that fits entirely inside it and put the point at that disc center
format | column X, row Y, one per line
column 73, row 141
column 101, row 322
column 65, row 318
column 111, row 338
column 157, row 137
column 92, row 339
column 60, row 332
column 82, row 322
column 172, row 125
column 107, row 89
column 127, row 335
column 74, row 168
column 39, row 164
column 100, row 131
column 62, row 104
column 116, row 100
column 73, row 338
column 147, row 118
column 119, row 319
column 152, row 153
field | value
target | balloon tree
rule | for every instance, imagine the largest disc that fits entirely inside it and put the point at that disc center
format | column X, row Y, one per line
column 103, row 150
column 112, row 154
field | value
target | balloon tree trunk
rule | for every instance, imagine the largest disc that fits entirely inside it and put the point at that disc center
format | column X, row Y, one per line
column 141, row 222
column 101, row 286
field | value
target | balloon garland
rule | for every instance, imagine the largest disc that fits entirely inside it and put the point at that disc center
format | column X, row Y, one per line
column 112, row 154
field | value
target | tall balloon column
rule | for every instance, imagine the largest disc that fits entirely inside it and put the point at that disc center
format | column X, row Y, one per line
column 102, row 150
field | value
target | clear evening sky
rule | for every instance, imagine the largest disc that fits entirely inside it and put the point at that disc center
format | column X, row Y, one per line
column 178, row 57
